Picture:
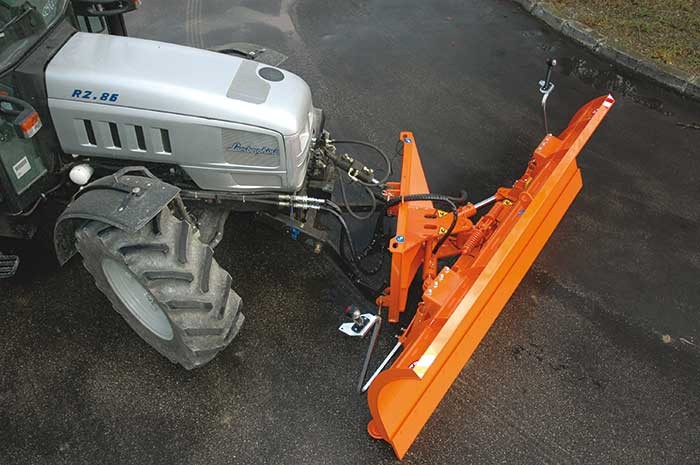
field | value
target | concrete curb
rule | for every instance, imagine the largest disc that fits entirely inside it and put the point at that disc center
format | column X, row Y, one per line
column 675, row 79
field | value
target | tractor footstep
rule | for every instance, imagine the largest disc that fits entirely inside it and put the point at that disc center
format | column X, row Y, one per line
column 8, row 265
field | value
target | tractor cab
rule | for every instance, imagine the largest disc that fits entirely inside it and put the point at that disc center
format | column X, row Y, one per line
column 23, row 23
column 31, row 32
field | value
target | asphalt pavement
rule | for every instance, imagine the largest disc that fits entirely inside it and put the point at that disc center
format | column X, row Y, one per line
column 596, row 358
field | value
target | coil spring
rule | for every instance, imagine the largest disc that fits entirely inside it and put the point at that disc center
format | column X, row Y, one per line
column 475, row 239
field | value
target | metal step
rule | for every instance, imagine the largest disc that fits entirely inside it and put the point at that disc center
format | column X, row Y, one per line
column 8, row 265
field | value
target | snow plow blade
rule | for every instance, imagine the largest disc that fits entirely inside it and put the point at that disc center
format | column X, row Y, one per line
column 460, row 304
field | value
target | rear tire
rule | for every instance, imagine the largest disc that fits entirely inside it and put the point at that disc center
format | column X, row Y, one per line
column 167, row 286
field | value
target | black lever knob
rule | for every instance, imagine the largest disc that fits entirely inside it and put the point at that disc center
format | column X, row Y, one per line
column 551, row 63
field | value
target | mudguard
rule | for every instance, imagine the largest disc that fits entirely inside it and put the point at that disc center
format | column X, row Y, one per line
column 129, row 199
column 459, row 304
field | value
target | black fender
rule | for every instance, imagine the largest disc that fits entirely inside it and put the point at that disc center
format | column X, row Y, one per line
column 128, row 199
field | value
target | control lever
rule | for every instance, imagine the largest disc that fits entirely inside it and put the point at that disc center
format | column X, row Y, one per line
column 546, row 88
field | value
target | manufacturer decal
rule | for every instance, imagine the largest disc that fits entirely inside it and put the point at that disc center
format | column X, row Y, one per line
column 240, row 148
column 21, row 168
column 98, row 96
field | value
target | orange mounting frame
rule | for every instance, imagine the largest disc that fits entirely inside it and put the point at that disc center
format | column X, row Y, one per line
column 460, row 304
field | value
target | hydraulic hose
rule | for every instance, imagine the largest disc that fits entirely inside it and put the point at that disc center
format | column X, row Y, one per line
column 463, row 197
column 343, row 194
column 334, row 210
column 346, row 230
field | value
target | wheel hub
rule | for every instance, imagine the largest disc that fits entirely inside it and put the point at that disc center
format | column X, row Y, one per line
column 137, row 299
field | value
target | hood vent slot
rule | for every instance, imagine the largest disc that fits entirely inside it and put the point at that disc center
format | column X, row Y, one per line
column 140, row 138
column 116, row 140
column 90, row 133
column 165, row 140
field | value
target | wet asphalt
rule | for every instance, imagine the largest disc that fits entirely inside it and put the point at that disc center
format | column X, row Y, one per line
column 596, row 358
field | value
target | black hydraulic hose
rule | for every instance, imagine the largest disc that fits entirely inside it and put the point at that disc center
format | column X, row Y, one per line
column 365, row 253
column 378, row 237
column 436, row 198
column 463, row 197
column 328, row 206
column 376, row 149
column 344, row 195
column 345, row 229
column 345, row 234
column 334, row 206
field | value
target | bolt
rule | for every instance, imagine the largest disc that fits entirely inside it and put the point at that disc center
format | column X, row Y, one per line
column 435, row 284
column 429, row 292
column 136, row 190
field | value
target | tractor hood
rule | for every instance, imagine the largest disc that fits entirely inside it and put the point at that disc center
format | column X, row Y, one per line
column 156, row 76
column 230, row 123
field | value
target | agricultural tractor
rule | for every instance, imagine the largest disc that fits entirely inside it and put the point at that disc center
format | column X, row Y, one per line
column 148, row 146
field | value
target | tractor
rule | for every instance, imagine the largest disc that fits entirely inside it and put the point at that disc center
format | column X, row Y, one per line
column 150, row 146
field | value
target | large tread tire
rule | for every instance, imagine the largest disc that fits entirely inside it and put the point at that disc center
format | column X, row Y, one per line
column 182, row 277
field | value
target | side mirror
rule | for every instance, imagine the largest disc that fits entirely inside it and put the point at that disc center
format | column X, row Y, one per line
column 111, row 10
column 105, row 7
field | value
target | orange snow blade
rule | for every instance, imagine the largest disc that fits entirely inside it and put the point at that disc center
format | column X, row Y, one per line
column 460, row 304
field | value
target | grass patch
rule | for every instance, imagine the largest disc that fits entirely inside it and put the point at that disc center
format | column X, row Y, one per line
column 667, row 31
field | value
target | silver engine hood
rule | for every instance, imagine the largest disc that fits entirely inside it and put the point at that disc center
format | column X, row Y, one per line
column 231, row 123
column 176, row 79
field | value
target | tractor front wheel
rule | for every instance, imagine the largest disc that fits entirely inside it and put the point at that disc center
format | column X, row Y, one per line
column 167, row 286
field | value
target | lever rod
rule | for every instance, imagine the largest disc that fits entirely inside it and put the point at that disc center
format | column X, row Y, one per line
column 546, row 88
column 382, row 366
column 370, row 351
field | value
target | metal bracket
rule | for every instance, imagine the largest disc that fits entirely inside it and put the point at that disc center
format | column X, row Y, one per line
column 361, row 325
column 360, row 329
column 127, row 199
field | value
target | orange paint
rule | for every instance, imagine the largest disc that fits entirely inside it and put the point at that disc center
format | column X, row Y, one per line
column 460, row 304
